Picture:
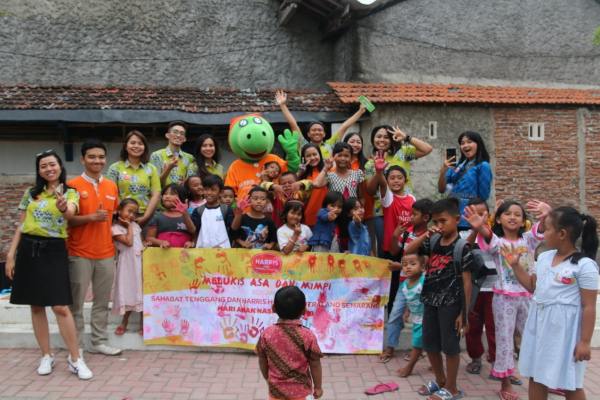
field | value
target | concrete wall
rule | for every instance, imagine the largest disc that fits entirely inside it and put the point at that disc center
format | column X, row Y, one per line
column 196, row 43
column 527, row 41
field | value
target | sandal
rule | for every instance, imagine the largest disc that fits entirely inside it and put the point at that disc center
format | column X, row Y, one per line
column 382, row 388
column 444, row 394
column 120, row 331
column 506, row 395
column 407, row 356
column 558, row 392
column 428, row 389
column 513, row 380
column 386, row 356
column 474, row 367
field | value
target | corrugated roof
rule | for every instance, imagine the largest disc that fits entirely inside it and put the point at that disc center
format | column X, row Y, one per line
column 348, row 93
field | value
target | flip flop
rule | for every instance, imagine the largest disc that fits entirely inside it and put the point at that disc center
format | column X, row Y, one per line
column 558, row 392
column 382, row 388
column 506, row 395
column 513, row 380
column 428, row 389
column 120, row 331
column 386, row 356
column 444, row 394
column 474, row 367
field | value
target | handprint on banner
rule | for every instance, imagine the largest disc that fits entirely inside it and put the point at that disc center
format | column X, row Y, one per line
column 218, row 289
column 225, row 266
column 330, row 263
column 168, row 326
column 198, row 264
column 366, row 264
column 363, row 291
column 184, row 256
column 256, row 328
column 312, row 262
column 375, row 325
column 184, row 327
column 229, row 327
column 342, row 267
column 173, row 310
column 194, row 285
column 155, row 268
column 357, row 266
column 376, row 300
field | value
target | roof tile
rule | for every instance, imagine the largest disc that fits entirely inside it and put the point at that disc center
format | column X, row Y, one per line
column 348, row 93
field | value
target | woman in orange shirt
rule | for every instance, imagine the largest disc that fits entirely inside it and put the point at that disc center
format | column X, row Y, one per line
column 313, row 164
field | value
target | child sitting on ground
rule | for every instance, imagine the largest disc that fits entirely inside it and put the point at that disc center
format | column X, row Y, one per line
column 289, row 356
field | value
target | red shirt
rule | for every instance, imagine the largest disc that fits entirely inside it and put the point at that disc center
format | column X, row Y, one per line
column 396, row 210
column 288, row 346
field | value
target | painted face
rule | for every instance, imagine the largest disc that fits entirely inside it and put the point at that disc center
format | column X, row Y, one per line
column 49, row 168
column 294, row 217
column 445, row 222
column 286, row 182
column 468, row 148
column 251, row 137
column 512, row 219
column 211, row 194
column 381, row 140
column 396, row 181
column 94, row 160
column 169, row 198
column 176, row 135
column 316, row 133
column 342, row 159
column 128, row 212
column 195, row 185
column 356, row 143
column 208, row 149
column 135, row 146
column 258, row 201
column 272, row 170
column 227, row 197
column 411, row 265
column 311, row 157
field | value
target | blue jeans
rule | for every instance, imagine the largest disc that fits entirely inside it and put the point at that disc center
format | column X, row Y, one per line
column 395, row 322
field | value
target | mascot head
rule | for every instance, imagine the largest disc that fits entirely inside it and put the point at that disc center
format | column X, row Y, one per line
column 251, row 137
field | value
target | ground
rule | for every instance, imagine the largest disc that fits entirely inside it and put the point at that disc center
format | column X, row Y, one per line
column 228, row 376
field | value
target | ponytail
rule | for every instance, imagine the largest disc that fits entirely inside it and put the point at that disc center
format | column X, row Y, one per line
column 577, row 225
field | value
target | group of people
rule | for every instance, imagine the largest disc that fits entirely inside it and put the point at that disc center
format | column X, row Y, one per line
column 456, row 265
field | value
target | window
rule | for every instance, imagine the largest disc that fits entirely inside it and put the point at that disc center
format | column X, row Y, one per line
column 432, row 129
column 536, row 131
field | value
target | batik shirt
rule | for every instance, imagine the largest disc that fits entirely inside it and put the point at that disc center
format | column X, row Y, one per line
column 42, row 217
column 185, row 168
column 135, row 183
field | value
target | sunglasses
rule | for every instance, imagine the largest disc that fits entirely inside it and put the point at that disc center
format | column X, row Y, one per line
column 46, row 152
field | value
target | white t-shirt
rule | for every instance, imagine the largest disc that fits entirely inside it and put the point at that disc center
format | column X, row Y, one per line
column 284, row 234
column 213, row 232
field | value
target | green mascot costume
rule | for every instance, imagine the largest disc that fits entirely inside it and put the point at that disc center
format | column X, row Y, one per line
column 251, row 138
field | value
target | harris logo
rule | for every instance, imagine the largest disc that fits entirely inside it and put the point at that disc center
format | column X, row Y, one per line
column 266, row 263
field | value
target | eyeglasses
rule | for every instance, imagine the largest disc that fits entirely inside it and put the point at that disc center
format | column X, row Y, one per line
column 177, row 133
column 45, row 152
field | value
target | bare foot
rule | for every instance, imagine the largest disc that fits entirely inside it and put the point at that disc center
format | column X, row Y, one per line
column 404, row 372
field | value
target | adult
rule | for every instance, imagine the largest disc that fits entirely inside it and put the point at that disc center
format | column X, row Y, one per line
column 356, row 143
column 90, row 244
column 207, row 156
column 471, row 178
column 37, row 259
column 313, row 164
column 135, row 177
column 399, row 149
column 173, row 164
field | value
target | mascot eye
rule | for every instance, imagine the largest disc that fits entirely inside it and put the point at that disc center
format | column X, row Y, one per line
column 248, row 136
column 257, row 120
column 264, row 133
column 243, row 123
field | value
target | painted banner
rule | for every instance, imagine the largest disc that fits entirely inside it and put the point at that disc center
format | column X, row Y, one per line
column 217, row 297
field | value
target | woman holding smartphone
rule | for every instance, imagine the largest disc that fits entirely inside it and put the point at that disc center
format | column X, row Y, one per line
column 471, row 177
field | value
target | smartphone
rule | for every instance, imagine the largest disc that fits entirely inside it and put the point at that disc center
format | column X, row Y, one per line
column 451, row 152
column 366, row 103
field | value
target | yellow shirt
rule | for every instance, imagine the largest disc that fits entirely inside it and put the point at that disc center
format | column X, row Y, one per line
column 42, row 217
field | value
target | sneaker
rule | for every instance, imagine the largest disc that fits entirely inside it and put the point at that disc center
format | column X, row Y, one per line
column 46, row 364
column 105, row 349
column 78, row 367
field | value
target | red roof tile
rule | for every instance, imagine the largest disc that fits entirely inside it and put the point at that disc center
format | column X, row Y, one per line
column 211, row 100
column 348, row 92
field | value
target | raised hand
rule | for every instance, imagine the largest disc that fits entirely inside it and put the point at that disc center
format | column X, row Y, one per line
column 433, row 230
column 397, row 134
column 449, row 163
column 511, row 255
column 400, row 229
column 280, row 97
column 124, row 222
column 328, row 163
column 172, row 163
column 379, row 161
column 475, row 220
column 61, row 202
column 538, row 208
column 181, row 207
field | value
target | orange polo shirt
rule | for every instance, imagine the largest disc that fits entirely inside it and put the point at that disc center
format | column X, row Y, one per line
column 94, row 239
column 242, row 175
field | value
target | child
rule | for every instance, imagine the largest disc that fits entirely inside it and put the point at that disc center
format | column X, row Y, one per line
column 446, row 294
column 559, row 328
column 324, row 229
column 412, row 266
column 271, row 172
column 128, row 290
column 228, row 196
column 482, row 314
column 213, row 220
column 195, row 192
column 511, row 301
column 173, row 227
column 421, row 215
column 288, row 188
column 293, row 236
column 344, row 179
column 254, row 230
column 357, row 233
column 288, row 353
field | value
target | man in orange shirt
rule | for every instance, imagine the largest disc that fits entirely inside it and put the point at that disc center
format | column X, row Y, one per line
column 90, row 245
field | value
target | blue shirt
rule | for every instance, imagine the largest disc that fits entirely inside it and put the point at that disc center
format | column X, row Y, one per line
column 359, row 242
column 469, row 181
column 323, row 230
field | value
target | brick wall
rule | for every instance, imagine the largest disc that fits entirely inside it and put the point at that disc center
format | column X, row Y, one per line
column 592, row 162
column 11, row 193
column 547, row 170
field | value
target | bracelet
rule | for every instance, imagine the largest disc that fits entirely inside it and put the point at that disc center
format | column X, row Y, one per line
column 408, row 138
